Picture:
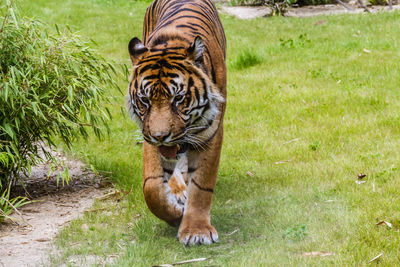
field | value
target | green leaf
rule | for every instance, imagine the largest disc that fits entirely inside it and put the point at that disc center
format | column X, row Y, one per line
column 8, row 129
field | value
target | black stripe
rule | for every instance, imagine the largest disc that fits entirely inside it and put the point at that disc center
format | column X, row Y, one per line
column 212, row 136
column 172, row 81
column 172, row 75
column 181, row 67
column 151, row 76
column 197, row 25
column 189, row 17
column 205, row 106
column 187, row 26
column 171, row 171
column 151, row 177
column 168, row 171
column 149, row 67
column 177, row 58
column 202, row 188
column 213, row 74
column 197, row 94
column 204, row 13
column 190, row 83
column 209, row 122
column 155, row 57
column 167, row 48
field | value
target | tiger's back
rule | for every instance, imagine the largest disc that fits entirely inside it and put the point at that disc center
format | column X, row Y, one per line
column 166, row 19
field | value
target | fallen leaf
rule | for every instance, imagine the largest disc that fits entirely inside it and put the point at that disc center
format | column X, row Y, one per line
column 388, row 224
column 43, row 240
column 250, row 174
column 376, row 258
column 339, row 81
column 360, row 182
column 361, row 175
column 317, row 253
column 321, row 22
column 367, row 51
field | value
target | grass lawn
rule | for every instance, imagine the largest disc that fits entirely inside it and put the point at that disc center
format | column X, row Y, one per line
column 312, row 102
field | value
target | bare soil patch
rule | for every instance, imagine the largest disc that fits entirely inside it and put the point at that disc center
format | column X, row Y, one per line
column 247, row 12
column 29, row 242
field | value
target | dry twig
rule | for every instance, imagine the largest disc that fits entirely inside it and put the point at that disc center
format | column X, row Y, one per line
column 344, row 5
column 283, row 161
column 317, row 253
column 17, row 211
column 116, row 194
column 291, row 141
column 181, row 262
column 364, row 6
column 376, row 258
column 234, row 231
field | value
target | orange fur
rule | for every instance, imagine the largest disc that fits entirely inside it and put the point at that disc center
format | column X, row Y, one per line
column 177, row 95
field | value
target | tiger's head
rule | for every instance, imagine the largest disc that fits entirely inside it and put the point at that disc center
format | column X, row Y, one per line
column 170, row 95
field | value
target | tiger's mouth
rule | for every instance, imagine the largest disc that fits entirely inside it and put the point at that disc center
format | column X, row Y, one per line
column 169, row 152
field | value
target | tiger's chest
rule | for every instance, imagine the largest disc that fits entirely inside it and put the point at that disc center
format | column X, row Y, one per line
column 183, row 166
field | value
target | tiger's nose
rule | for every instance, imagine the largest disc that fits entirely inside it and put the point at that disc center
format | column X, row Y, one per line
column 160, row 136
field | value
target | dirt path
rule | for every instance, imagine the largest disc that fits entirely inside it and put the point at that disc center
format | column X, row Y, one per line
column 29, row 243
column 244, row 12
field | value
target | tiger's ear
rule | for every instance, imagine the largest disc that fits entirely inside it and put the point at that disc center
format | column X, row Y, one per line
column 196, row 50
column 136, row 49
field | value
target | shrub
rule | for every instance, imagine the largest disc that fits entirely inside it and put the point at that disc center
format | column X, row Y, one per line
column 280, row 4
column 315, row 2
column 51, row 85
column 247, row 2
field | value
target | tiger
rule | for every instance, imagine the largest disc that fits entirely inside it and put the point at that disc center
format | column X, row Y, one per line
column 177, row 96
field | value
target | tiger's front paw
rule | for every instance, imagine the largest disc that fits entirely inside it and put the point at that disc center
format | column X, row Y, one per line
column 178, row 189
column 197, row 234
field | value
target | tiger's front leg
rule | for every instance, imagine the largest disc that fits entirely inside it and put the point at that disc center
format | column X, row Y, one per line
column 157, row 192
column 195, row 227
column 179, row 179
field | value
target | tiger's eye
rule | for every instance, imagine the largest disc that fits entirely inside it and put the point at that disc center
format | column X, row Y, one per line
column 144, row 100
column 178, row 98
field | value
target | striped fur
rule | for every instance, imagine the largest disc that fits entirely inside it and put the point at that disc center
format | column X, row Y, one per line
column 178, row 89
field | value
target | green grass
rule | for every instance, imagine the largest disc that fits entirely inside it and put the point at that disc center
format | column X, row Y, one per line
column 312, row 85
column 246, row 59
